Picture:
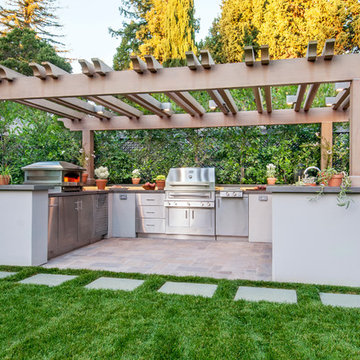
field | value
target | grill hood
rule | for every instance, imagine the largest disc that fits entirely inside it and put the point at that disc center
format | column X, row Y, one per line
column 52, row 165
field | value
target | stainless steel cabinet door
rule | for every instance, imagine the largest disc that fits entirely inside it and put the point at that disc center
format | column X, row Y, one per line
column 85, row 220
column 232, row 216
column 100, row 216
column 177, row 220
column 68, row 224
column 202, row 222
column 53, row 227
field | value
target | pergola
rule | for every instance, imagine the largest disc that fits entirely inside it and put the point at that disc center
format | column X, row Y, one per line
column 67, row 95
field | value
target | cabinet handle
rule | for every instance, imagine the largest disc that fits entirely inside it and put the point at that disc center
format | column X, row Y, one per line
column 186, row 214
column 219, row 202
column 150, row 199
column 150, row 212
column 192, row 213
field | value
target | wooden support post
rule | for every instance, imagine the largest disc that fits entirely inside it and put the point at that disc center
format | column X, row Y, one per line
column 355, row 132
column 326, row 144
column 88, row 146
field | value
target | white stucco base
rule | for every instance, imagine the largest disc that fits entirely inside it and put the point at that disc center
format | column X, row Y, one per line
column 23, row 227
column 316, row 241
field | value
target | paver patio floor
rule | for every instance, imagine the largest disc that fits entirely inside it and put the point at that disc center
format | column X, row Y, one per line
column 229, row 260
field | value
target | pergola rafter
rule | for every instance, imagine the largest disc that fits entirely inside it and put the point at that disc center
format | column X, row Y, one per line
column 54, row 90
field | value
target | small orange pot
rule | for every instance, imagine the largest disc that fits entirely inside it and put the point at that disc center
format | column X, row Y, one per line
column 160, row 184
column 271, row 181
column 136, row 181
column 101, row 183
column 336, row 180
column 84, row 178
column 4, row 179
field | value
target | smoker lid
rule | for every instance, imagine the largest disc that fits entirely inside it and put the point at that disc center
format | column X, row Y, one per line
column 52, row 165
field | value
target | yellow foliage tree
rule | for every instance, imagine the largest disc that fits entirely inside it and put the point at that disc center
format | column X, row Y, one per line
column 169, row 30
column 288, row 25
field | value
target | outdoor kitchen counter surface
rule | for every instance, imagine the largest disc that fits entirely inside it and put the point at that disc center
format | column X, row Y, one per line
column 24, row 187
column 308, row 189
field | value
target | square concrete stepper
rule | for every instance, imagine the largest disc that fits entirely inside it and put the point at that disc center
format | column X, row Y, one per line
column 4, row 274
column 343, row 300
column 266, row 294
column 47, row 279
column 183, row 288
column 114, row 284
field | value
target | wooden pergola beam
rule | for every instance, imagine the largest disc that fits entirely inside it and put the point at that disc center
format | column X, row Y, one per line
column 300, row 96
column 38, row 70
column 216, row 119
column 87, row 68
column 193, row 62
column 340, row 98
column 219, row 101
column 268, row 100
column 326, row 144
column 265, row 55
column 280, row 73
column 149, row 103
column 229, row 100
column 8, row 74
column 311, row 96
column 355, row 132
column 328, row 50
column 258, row 99
column 311, row 52
column 52, row 70
column 82, row 106
column 346, row 103
column 206, row 59
column 100, row 67
column 188, row 99
column 53, row 108
column 138, row 64
column 116, row 105
column 152, row 64
column 249, row 55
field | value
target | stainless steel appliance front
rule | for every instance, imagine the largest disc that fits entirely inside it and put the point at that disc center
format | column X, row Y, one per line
column 190, row 201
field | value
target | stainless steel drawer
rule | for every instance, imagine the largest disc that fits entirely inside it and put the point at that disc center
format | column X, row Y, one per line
column 150, row 199
column 150, row 226
column 150, row 212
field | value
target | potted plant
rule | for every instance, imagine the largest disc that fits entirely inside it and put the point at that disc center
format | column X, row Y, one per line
column 83, row 159
column 331, row 177
column 102, row 174
column 160, row 182
column 5, row 176
column 270, row 174
column 135, row 176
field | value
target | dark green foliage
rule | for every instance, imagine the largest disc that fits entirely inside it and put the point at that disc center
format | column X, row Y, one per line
column 28, row 136
column 71, row 322
column 21, row 46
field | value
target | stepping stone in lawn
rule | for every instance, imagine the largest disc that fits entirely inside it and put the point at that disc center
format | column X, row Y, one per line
column 343, row 300
column 182, row 288
column 115, row 284
column 4, row 274
column 47, row 279
column 266, row 294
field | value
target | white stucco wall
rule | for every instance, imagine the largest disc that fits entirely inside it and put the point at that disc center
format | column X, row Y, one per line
column 316, row 241
column 23, row 227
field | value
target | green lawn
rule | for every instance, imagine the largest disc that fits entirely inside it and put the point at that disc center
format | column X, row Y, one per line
column 71, row 322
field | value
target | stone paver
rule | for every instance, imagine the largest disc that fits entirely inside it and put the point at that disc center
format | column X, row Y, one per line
column 266, row 294
column 47, row 279
column 229, row 260
column 115, row 284
column 183, row 288
column 343, row 300
column 4, row 274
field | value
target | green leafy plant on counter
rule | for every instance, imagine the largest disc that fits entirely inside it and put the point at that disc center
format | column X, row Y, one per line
column 160, row 177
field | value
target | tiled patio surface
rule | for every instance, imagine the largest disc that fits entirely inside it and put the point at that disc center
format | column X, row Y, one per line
column 230, row 260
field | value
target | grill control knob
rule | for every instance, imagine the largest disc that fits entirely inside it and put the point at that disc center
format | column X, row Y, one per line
column 175, row 204
column 202, row 204
column 227, row 194
column 208, row 204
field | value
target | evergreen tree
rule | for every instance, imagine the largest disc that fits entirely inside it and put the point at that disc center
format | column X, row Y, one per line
column 38, row 15
column 21, row 46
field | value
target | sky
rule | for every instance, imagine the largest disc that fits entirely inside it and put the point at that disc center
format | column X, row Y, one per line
column 86, row 24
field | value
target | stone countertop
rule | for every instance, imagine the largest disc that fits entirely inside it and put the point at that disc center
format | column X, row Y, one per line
column 308, row 189
column 78, row 193
column 24, row 187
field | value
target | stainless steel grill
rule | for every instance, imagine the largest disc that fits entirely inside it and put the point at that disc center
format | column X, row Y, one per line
column 190, row 201
column 63, row 176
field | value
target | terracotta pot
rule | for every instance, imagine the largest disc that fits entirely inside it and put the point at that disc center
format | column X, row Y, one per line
column 160, row 184
column 336, row 180
column 136, row 180
column 4, row 179
column 101, row 183
column 310, row 184
column 84, row 178
column 271, row 181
